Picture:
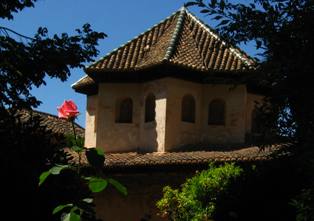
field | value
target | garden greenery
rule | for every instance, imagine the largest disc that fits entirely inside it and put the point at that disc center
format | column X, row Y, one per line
column 92, row 180
column 198, row 196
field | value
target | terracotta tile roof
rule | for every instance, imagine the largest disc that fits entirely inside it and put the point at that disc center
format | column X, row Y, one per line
column 148, row 48
column 120, row 160
column 153, row 160
column 181, row 39
column 53, row 123
column 86, row 84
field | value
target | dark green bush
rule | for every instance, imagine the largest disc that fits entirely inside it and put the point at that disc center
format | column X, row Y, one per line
column 197, row 198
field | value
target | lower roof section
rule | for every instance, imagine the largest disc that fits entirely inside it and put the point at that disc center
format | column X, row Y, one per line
column 133, row 161
column 52, row 122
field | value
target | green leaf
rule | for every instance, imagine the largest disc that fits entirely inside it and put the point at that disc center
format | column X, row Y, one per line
column 86, row 177
column 223, row 22
column 66, row 217
column 97, row 184
column 88, row 200
column 77, row 149
column 57, row 169
column 75, row 217
column 61, row 207
column 213, row 3
column 95, row 157
column 204, row 11
column 122, row 189
column 80, row 142
column 70, row 140
column 43, row 176
column 71, row 216
column 218, row 17
column 100, row 152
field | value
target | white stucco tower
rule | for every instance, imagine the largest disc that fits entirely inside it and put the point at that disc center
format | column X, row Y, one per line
column 174, row 85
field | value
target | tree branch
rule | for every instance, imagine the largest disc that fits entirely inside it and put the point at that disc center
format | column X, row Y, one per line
column 5, row 29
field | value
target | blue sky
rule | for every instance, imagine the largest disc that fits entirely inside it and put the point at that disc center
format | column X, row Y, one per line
column 120, row 20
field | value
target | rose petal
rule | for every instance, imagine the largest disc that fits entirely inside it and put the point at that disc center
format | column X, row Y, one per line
column 61, row 113
column 68, row 110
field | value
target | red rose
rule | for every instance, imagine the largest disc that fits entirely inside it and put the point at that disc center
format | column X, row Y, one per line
column 68, row 110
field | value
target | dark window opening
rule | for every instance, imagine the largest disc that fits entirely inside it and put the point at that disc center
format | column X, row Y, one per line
column 150, row 108
column 216, row 112
column 124, row 111
column 188, row 109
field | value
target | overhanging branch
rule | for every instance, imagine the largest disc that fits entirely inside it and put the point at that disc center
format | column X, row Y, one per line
column 6, row 30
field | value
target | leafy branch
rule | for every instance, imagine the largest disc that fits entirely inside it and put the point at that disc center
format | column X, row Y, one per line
column 93, row 179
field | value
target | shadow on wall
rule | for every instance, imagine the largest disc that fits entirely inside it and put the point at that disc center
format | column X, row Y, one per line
column 144, row 190
column 149, row 131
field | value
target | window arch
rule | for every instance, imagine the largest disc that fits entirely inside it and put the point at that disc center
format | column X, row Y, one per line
column 150, row 108
column 216, row 112
column 124, row 111
column 188, row 109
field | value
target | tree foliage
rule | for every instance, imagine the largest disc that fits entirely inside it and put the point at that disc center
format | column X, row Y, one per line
column 26, row 64
column 197, row 199
column 238, row 192
column 88, row 176
column 8, row 7
column 283, row 29
column 27, row 148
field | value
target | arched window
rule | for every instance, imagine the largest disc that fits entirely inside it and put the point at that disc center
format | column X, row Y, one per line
column 150, row 108
column 188, row 109
column 124, row 111
column 216, row 112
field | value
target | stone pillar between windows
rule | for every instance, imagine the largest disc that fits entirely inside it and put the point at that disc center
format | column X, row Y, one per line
column 90, row 129
column 161, row 105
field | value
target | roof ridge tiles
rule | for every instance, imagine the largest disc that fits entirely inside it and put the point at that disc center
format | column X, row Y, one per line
column 132, row 39
column 82, row 78
column 185, row 37
column 177, row 31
